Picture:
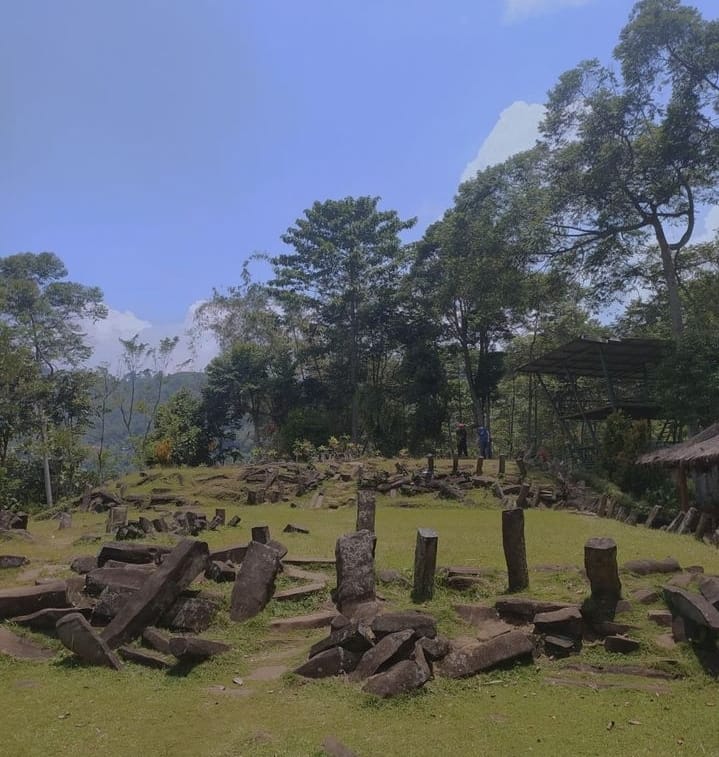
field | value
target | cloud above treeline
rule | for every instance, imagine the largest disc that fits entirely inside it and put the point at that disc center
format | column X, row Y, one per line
column 520, row 10
column 516, row 130
column 104, row 338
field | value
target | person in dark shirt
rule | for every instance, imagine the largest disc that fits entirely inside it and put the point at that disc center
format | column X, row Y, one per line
column 484, row 442
column 462, row 440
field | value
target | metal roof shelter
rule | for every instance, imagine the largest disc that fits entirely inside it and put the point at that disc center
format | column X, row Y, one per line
column 592, row 377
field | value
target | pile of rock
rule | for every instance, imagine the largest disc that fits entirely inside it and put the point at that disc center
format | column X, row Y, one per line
column 10, row 519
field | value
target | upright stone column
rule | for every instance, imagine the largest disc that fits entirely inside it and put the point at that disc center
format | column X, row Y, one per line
column 515, row 550
column 425, row 564
column 430, row 464
column 220, row 515
column 455, row 464
column 480, row 464
column 261, row 534
column 354, row 555
column 502, row 464
column 523, row 495
column 600, row 564
column 365, row 510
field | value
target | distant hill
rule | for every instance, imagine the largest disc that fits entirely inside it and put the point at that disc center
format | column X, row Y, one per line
column 146, row 385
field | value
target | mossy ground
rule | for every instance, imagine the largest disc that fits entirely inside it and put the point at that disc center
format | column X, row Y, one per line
column 66, row 708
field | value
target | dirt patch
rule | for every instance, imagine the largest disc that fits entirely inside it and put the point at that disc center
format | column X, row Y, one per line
column 267, row 673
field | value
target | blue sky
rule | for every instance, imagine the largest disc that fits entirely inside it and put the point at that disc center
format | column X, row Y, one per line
column 155, row 144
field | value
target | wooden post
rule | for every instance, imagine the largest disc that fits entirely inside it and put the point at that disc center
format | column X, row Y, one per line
column 683, row 489
column 478, row 469
column 515, row 550
column 502, row 464
column 425, row 564
column 365, row 510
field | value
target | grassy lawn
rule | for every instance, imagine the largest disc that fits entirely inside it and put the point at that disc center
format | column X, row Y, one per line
column 66, row 708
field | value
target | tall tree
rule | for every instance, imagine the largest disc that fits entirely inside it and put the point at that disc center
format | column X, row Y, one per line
column 344, row 269
column 46, row 314
column 474, row 270
column 630, row 157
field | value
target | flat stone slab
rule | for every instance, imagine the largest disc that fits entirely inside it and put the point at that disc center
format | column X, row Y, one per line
column 621, row 644
column 475, row 614
column 308, row 561
column 193, row 648
column 46, row 619
column 331, row 662
column 382, row 652
column 84, row 564
column 709, row 588
column 390, row 622
column 474, row 658
column 401, row 678
column 661, row 617
column 354, row 637
column 12, row 561
column 131, row 553
column 25, row 600
column 191, row 613
column 559, row 646
column 525, row 608
column 146, row 658
column 646, row 566
column 127, row 577
column 299, row 592
column 564, row 622
column 302, row 622
column 80, row 637
column 692, row 607
column 645, row 596
column 160, row 590
column 159, row 641
column 15, row 646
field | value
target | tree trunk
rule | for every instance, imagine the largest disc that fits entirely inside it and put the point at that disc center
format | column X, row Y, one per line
column 45, row 460
column 671, row 280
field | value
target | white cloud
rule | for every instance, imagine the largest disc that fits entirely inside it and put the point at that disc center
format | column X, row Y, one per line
column 520, row 10
column 103, row 336
column 710, row 227
column 517, row 129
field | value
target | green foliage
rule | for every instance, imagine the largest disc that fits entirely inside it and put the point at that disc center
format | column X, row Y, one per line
column 179, row 436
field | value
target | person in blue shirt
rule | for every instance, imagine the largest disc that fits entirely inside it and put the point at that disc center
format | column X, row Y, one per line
column 484, row 442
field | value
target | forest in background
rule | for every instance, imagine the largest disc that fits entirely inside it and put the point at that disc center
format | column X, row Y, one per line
column 363, row 343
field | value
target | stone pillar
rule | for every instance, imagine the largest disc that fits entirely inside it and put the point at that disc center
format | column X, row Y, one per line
column 515, row 550
column 255, row 581
column 64, row 521
column 116, row 517
column 365, row 510
column 480, row 464
column 522, row 467
column 600, row 564
column 523, row 495
column 354, row 555
column 220, row 515
column 455, row 464
column 261, row 534
column 425, row 564
column 430, row 464
column 502, row 464
column 703, row 525
column 602, row 506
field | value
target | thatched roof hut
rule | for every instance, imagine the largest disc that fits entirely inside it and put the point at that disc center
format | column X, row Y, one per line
column 698, row 455
column 699, row 452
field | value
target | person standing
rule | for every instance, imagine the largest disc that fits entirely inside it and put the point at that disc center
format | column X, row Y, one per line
column 461, row 440
column 484, row 442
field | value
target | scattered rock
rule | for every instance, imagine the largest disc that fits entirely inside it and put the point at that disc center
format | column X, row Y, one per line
column 193, row 648
column 331, row 662
column 392, row 622
column 390, row 646
column 191, row 613
column 559, row 646
column 645, row 567
column 83, row 564
column 645, row 596
column 523, row 609
column 354, row 637
column 564, row 622
column 255, row 582
column 435, row 649
column 22, row 649
column 25, row 600
column 147, row 659
column 131, row 553
column 660, row 617
column 46, row 619
column 301, row 622
column 473, row 658
column 12, row 561
column 401, row 678
column 621, row 644
column 291, row 528
column 79, row 636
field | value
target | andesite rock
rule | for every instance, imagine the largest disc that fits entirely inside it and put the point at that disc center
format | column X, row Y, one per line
column 401, row 678
column 355, row 571
column 523, row 609
column 647, row 566
column 564, row 622
column 131, row 553
column 84, row 564
column 620, row 644
column 194, row 648
column 473, row 658
column 354, row 637
column 391, row 622
column 145, row 658
column 12, row 561
column 255, row 582
column 159, row 591
column 331, row 662
column 380, row 654
column 46, row 619
column 80, row 637
column 16, row 646
column 23, row 600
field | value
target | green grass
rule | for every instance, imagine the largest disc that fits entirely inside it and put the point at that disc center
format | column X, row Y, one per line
column 67, row 708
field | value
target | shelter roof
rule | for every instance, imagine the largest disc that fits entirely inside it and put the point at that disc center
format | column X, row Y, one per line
column 591, row 356
column 700, row 451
